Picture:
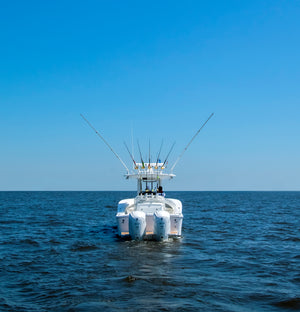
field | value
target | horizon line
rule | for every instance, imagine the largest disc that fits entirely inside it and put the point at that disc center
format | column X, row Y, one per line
column 135, row 191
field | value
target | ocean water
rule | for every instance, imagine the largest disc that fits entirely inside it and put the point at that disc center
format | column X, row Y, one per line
column 240, row 251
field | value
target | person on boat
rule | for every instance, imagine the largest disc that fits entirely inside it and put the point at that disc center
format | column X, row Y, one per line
column 147, row 191
column 160, row 191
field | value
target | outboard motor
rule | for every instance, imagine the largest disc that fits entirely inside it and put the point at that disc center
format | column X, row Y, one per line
column 161, row 225
column 137, row 225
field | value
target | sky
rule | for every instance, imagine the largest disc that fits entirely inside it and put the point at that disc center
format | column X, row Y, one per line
column 150, row 70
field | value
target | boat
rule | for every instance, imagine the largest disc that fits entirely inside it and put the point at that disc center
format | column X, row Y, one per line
column 151, row 215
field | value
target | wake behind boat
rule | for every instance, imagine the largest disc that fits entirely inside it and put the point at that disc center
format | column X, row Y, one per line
column 150, row 215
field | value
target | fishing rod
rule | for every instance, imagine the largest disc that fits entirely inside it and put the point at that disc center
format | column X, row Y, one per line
column 190, row 142
column 102, row 138
column 163, row 166
column 135, row 164
column 132, row 148
column 149, row 166
column 156, row 167
column 143, row 164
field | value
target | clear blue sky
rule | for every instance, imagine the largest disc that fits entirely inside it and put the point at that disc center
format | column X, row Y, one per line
column 159, row 68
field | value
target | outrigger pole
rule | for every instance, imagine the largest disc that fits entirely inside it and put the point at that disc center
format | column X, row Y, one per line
column 191, row 142
column 101, row 137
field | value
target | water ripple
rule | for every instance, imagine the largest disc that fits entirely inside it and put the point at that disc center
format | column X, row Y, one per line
column 239, row 252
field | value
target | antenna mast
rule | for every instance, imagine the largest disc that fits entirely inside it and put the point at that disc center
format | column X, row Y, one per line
column 101, row 137
column 190, row 142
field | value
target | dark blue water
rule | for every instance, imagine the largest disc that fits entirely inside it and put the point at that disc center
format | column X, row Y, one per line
column 240, row 251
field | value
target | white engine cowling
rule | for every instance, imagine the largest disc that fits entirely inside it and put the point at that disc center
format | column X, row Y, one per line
column 137, row 225
column 161, row 225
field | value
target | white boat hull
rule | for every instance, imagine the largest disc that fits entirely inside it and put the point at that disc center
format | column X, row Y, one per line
column 149, row 219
